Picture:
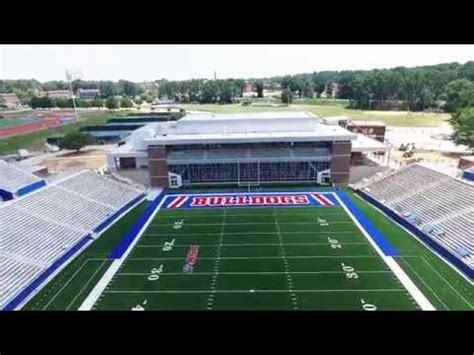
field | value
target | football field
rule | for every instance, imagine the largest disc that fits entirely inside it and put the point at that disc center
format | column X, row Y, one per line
column 254, row 258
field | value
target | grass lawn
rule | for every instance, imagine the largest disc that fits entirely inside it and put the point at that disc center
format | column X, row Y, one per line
column 391, row 118
column 35, row 140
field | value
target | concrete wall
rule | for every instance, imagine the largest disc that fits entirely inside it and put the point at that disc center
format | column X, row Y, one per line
column 157, row 166
column 340, row 162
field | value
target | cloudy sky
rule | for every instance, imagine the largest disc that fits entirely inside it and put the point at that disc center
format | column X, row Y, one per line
column 179, row 62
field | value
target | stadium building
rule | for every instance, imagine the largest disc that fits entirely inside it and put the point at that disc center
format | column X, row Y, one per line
column 243, row 149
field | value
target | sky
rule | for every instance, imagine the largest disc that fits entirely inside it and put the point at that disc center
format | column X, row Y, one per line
column 181, row 62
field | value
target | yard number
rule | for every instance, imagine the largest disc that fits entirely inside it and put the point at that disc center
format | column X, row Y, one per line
column 139, row 307
column 178, row 224
column 334, row 243
column 322, row 222
column 155, row 273
column 349, row 271
column 368, row 306
column 168, row 246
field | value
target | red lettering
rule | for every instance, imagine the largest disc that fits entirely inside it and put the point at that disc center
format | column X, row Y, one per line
column 272, row 200
column 199, row 201
column 257, row 200
column 287, row 200
column 301, row 200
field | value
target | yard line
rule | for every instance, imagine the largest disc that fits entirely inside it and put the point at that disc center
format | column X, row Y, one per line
column 246, row 244
column 446, row 281
column 355, row 232
column 210, row 299
column 66, row 283
column 314, row 213
column 85, row 285
column 256, row 291
column 255, row 273
column 247, row 224
column 423, row 281
column 263, row 257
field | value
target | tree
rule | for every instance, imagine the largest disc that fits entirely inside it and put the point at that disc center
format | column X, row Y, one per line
column 41, row 102
column 287, row 96
column 259, row 87
column 111, row 103
column 126, row 102
column 76, row 141
column 459, row 93
column 97, row 102
column 463, row 126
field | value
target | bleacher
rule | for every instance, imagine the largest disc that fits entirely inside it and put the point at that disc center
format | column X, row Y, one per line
column 441, row 205
column 41, row 227
column 14, row 181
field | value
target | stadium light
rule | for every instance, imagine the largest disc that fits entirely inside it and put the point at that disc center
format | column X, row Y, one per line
column 73, row 75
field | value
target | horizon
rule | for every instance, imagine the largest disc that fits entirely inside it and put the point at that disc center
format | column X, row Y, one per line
column 138, row 63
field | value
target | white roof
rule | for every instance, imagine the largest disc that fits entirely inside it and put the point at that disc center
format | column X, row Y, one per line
column 252, row 127
column 367, row 144
column 13, row 178
column 366, row 123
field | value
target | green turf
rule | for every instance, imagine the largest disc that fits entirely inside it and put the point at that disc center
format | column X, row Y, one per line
column 255, row 258
column 72, row 285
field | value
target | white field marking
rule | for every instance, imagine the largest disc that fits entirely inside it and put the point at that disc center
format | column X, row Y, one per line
column 419, row 241
column 210, row 300
column 414, row 291
column 256, row 291
column 99, row 288
column 429, row 288
column 54, row 274
column 68, row 282
column 446, row 281
column 85, row 285
column 252, row 233
column 244, row 224
column 264, row 257
column 180, row 203
column 257, row 273
column 309, row 214
column 247, row 244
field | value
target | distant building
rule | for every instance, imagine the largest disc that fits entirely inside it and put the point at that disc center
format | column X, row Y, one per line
column 57, row 94
column 88, row 93
column 371, row 129
column 9, row 101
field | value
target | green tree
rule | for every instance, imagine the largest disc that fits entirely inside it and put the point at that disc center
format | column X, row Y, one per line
column 459, row 93
column 41, row 102
column 76, row 141
column 126, row 102
column 111, row 103
column 97, row 102
column 463, row 126
column 259, row 87
column 287, row 96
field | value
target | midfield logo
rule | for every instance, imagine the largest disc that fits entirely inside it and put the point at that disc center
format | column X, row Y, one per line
column 191, row 259
column 249, row 200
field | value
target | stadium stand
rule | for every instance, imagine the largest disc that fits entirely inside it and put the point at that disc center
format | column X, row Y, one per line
column 44, row 226
column 439, row 205
column 15, row 182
